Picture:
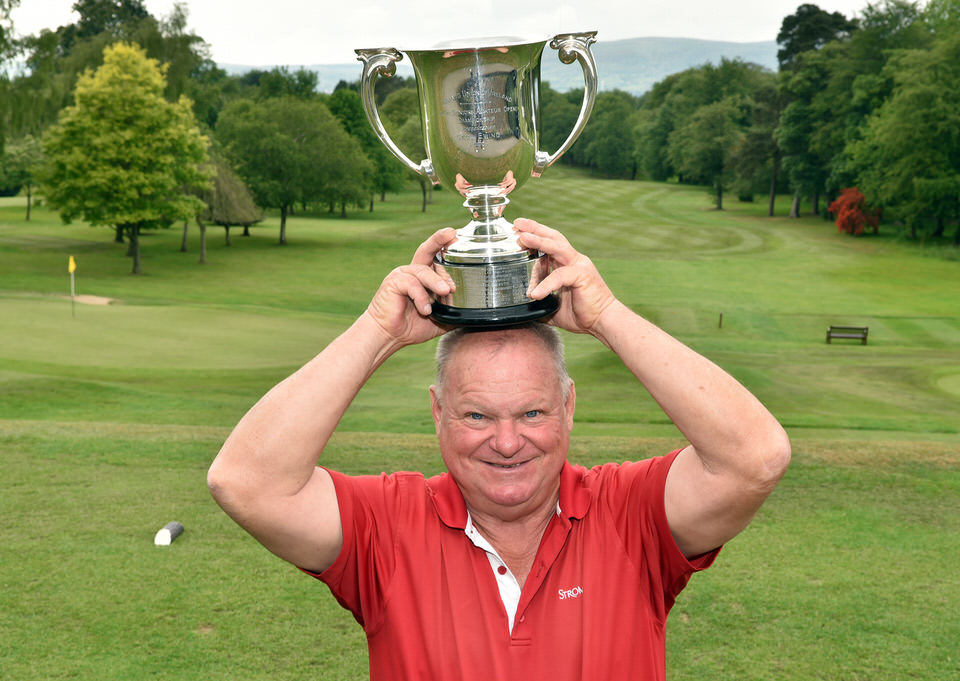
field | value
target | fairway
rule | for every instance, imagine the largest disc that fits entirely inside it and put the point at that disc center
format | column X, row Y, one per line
column 110, row 414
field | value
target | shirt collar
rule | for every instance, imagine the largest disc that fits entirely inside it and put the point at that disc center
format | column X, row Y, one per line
column 575, row 496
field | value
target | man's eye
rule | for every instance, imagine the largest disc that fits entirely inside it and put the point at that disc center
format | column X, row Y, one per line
column 475, row 416
column 532, row 414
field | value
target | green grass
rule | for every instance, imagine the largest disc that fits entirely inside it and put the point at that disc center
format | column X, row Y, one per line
column 109, row 419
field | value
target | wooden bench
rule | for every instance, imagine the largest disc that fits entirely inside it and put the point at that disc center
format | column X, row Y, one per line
column 855, row 332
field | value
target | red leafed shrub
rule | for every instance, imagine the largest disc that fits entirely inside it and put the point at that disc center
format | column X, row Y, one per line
column 852, row 214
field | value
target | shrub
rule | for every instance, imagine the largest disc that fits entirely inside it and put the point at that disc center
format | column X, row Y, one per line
column 852, row 214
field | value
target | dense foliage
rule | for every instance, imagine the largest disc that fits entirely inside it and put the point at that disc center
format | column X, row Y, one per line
column 122, row 155
column 853, row 216
column 868, row 101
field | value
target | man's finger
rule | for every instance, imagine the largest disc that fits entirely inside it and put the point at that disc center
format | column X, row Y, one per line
column 433, row 245
column 559, row 279
column 545, row 239
column 417, row 282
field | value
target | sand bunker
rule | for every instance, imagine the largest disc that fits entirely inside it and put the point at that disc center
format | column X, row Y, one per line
column 92, row 300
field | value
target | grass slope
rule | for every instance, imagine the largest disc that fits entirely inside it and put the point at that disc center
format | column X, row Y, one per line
column 108, row 420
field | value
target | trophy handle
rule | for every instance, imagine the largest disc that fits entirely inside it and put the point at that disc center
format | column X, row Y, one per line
column 572, row 46
column 382, row 62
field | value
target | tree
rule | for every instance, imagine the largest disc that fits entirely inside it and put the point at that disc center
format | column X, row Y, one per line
column 384, row 86
column 909, row 158
column 346, row 105
column 6, row 28
column 558, row 115
column 410, row 138
column 99, row 16
column 805, row 168
column 229, row 202
column 351, row 182
column 53, row 60
column 702, row 149
column 671, row 103
column 20, row 164
column 122, row 155
column 852, row 213
column 400, row 113
column 758, row 161
column 285, row 149
column 399, row 106
column 608, row 144
column 809, row 28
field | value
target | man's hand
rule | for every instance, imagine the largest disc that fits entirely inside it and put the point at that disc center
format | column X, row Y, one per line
column 401, row 306
column 584, row 296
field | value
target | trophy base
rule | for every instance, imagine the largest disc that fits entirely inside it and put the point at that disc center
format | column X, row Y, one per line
column 495, row 316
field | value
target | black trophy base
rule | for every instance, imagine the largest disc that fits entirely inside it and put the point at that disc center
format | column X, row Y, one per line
column 495, row 316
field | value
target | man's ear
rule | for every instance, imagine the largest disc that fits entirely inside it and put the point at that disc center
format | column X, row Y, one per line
column 570, row 405
column 435, row 408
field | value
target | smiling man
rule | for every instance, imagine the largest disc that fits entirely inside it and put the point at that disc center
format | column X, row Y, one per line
column 514, row 564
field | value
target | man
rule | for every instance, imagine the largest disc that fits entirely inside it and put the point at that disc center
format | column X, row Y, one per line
column 515, row 565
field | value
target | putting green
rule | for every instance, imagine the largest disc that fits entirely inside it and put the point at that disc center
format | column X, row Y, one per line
column 42, row 329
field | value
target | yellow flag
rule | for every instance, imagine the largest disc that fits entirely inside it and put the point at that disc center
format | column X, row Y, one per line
column 72, row 265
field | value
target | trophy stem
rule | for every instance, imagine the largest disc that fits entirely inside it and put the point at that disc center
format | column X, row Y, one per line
column 487, row 211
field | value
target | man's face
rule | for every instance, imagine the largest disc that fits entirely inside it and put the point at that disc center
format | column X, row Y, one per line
column 503, row 424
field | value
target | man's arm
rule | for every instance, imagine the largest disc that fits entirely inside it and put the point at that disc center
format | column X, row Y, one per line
column 738, row 452
column 265, row 476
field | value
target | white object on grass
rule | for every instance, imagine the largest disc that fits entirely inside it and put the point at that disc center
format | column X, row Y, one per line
column 168, row 533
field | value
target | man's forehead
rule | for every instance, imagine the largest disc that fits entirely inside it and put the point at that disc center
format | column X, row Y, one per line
column 499, row 340
column 502, row 357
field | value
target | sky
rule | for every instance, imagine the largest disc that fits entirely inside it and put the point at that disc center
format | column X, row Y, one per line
column 306, row 32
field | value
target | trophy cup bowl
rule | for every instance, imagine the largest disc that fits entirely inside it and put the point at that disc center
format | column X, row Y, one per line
column 479, row 110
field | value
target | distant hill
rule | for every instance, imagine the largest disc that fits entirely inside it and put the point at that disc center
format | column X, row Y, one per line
column 634, row 65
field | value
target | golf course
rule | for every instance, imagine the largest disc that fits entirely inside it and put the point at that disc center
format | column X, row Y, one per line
column 114, row 402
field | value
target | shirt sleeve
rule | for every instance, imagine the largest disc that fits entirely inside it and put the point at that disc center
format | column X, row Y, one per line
column 639, row 488
column 360, row 576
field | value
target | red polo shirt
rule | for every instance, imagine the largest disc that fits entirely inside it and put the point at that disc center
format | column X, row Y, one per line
column 594, row 605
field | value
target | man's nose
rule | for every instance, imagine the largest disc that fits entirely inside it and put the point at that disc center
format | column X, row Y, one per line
column 507, row 440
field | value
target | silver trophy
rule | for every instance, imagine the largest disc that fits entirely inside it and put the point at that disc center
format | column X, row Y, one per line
column 480, row 109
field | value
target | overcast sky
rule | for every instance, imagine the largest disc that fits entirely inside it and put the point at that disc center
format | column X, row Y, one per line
column 303, row 32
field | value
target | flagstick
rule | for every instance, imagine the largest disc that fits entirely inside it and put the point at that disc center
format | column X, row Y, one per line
column 73, row 296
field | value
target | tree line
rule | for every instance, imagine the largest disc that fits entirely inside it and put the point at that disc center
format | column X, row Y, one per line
column 864, row 102
column 123, row 120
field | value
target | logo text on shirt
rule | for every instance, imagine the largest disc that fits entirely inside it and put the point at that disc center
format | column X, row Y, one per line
column 570, row 593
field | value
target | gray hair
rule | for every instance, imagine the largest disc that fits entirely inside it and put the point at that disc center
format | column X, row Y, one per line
column 547, row 335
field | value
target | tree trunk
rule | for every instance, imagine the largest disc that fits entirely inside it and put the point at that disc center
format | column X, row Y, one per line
column 203, row 241
column 371, row 202
column 118, row 238
column 28, row 201
column 956, row 236
column 226, row 230
column 816, row 202
column 940, row 227
column 283, row 225
column 719, row 196
column 130, row 243
column 423, row 190
column 183, row 242
column 246, row 230
column 343, row 209
column 795, row 207
column 773, row 189
column 383, row 195
column 134, row 236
